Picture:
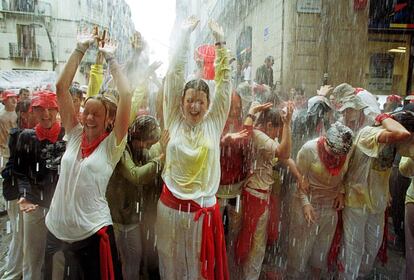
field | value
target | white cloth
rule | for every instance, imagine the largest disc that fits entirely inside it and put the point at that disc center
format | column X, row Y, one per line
column 192, row 163
column 253, row 266
column 34, row 243
column 264, row 149
column 363, row 234
column 79, row 207
column 13, row 268
column 372, row 109
column 178, row 243
column 366, row 185
column 129, row 244
column 309, row 244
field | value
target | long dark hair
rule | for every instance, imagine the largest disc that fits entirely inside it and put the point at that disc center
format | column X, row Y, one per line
column 199, row 85
column 272, row 115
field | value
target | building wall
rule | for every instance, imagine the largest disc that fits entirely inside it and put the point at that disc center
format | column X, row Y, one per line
column 304, row 45
column 63, row 19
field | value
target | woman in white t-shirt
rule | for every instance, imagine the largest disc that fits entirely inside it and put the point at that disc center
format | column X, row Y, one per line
column 189, row 229
column 79, row 220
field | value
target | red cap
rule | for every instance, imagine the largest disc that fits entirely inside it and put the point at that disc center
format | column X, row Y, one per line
column 8, row 93
column 44, row 99
column 394, row 98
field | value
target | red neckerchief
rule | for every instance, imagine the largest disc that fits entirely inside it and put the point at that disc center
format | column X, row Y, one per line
column 88, row 148
column 332, row 163
column 50, row 134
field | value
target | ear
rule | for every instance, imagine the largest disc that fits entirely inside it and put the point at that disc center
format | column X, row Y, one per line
column 269, row 126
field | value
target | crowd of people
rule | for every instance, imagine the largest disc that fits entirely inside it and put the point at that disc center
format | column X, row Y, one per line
column 204, row 179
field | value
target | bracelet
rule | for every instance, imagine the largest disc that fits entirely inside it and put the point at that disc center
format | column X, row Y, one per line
column 109, row 59
column 80, row 50
column 382, row 117
column 253, row 117
column 220, row 43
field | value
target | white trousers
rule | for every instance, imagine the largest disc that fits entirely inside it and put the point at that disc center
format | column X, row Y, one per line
column 129, row 244
column 34, row 243
column 363, row 234
column 309, row 244
column 14, row 260
column 253, row 265
column 178, row 243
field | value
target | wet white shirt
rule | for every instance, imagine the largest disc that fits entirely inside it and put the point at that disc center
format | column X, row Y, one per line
column 192, row 163
column 79, row 207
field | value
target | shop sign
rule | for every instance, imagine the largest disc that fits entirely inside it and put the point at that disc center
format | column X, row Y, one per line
column 309, row 6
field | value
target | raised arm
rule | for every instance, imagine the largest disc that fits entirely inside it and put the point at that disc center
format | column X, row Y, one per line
column 66, row 108
column 124, row 103
column 174, row 80
column 284, row 149
column 95, row 76
column 221, row 105
column 394, row 133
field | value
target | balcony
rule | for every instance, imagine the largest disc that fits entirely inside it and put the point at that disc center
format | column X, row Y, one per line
column 17, row 52
column 27, row 8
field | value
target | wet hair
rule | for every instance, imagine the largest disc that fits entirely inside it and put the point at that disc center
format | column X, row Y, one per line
column 405, row 118
column 22, row 90
column 109, row 100
column 145, row 127
column 75, row 91
column 272, row 115
column 199, row 85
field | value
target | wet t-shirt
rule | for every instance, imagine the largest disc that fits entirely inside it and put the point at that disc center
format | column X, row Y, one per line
column 366, row 182
column 79, row 207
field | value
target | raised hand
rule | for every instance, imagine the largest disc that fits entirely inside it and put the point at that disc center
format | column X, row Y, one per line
column 324, row 90
column 217, row 31
column 288, row 112
column 233, row 137
column 190, row 24
column 260, row 108
column 154, row 66
column 136, row 41
column 85, row 39
column 109, row 49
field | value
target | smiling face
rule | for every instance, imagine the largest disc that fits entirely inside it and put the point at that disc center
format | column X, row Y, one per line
column 195, row 105
column 94, row 119
column 45, row 117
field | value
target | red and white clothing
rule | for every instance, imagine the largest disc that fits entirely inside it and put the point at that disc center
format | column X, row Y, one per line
column 256, row 202
column 192, row 171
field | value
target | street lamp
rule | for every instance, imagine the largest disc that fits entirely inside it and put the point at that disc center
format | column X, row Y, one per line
column 52, row 50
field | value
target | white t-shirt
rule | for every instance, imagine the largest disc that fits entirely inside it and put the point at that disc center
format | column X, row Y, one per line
column 79, row 207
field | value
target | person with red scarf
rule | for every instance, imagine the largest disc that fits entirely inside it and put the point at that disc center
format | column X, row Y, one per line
column 235, row 160
column 79, row 220
column 366, row 186
column 190, row 237
column 323, row 163
column 257, row 201
column 38, row 152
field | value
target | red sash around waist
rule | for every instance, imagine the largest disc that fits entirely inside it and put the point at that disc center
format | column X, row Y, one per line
column 213, row 256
